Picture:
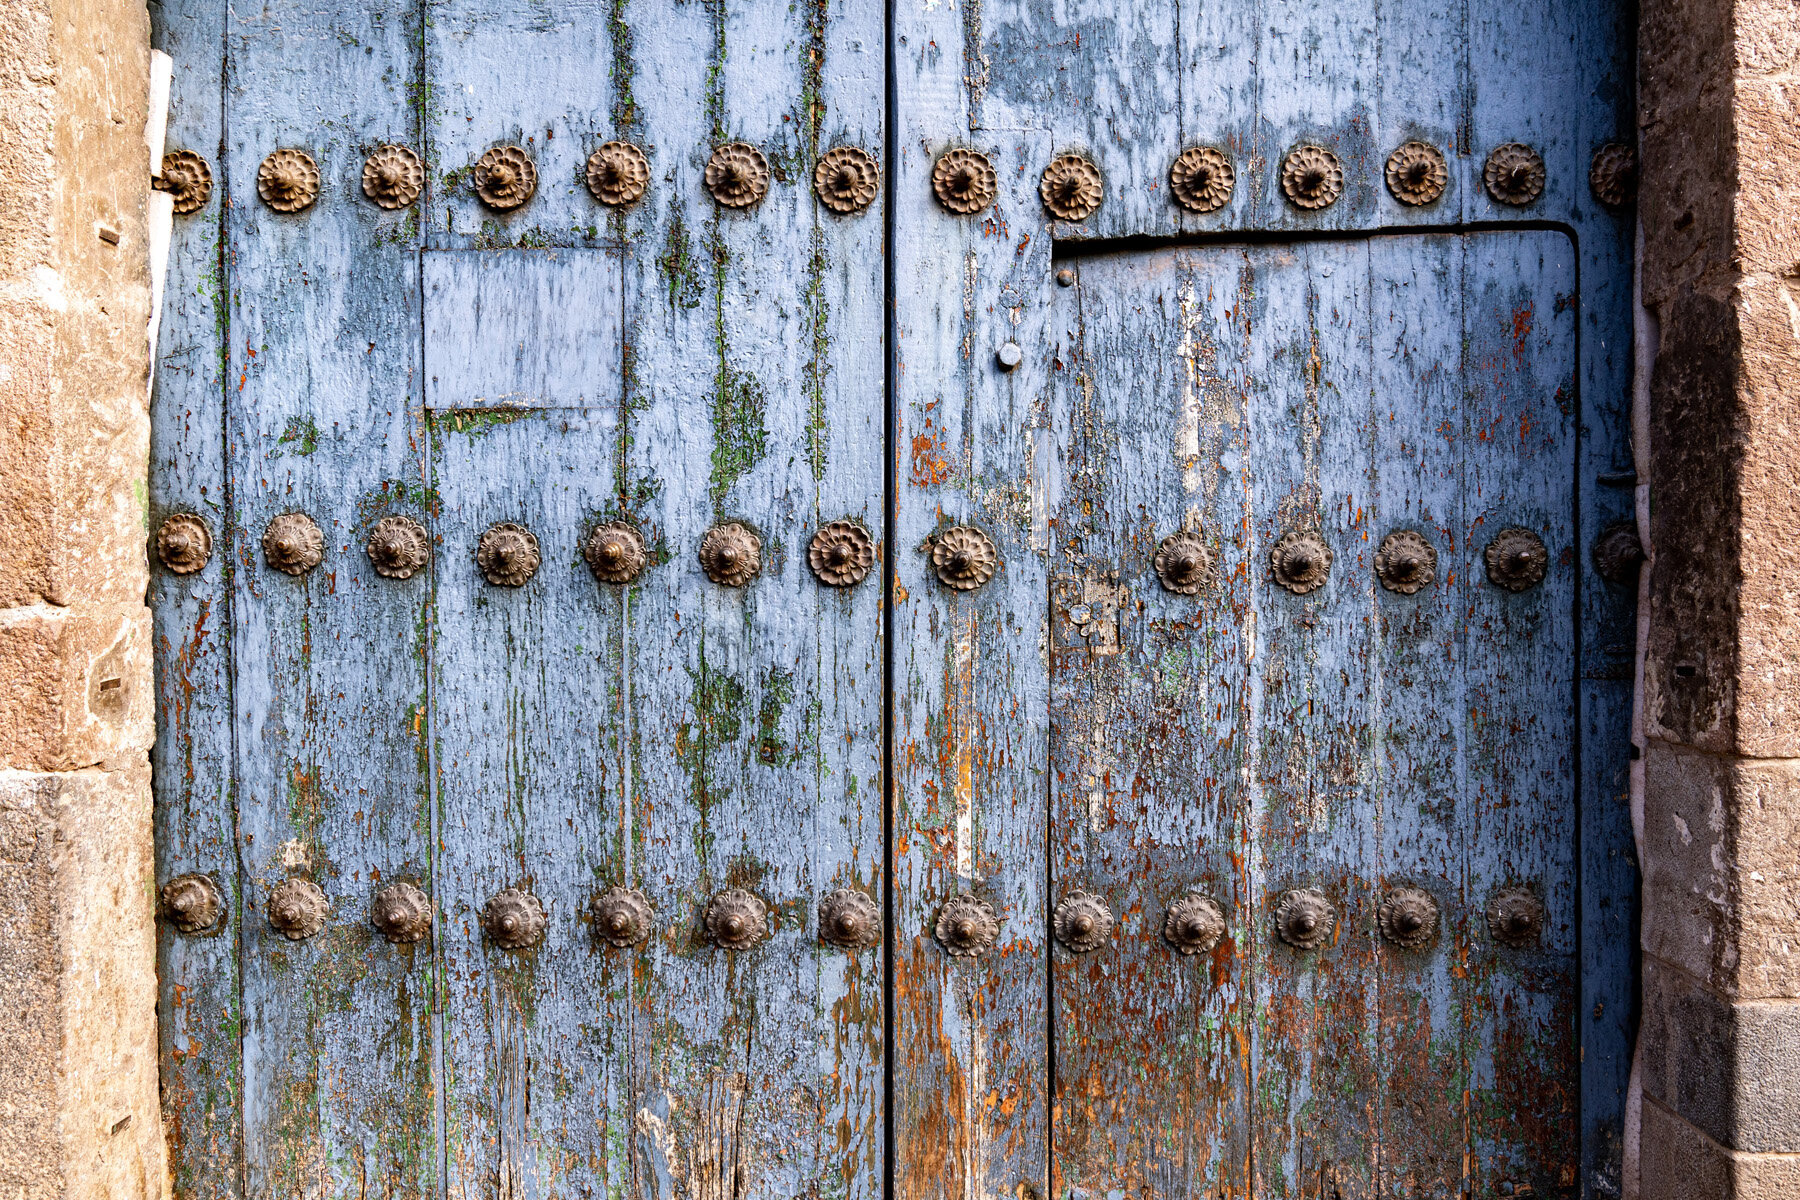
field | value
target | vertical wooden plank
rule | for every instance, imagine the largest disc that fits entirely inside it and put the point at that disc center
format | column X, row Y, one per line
column 970, row 715
column 330, row 666
column 1520, row 425
column 197, row 974
column 1148, row 799
column 1309, row 462
column 1415, row 701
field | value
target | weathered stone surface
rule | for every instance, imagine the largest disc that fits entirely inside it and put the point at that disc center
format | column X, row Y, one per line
column 1681, row 1163
column 78, row 688
column 1722, row 870
column 78, row 1102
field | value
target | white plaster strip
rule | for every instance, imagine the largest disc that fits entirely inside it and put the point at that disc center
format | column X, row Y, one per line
column 161, row 215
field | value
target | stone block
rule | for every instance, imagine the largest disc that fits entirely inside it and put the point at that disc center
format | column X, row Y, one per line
column 78, row 1101
column 1732, row 1070
column 79, row 686
column 1680, row 1163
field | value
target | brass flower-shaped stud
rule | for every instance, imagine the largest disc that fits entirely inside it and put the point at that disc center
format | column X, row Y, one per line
column 1516, row 559
column 1194, row 924
column 1514, row 174
column 288, row 180
column 183, row 543
column 1184, row 563
column 736, row 919
column 514, row 919
column 293, row 543
column 505, row 178
column 730, row 554
column 964, row 181
column 1416, row 173
column 963, row 557
column 1201, row 179
column 841, row 554
column 1304, row 918
column 1300, row 561
column 1612, row 177
column 1071, row 188
column 193, row 903
column 507, row 554
column 737, row 175
column 966, row 925
column 846, row 179
column 392, row 176
column 1312, row 177
column 401, row 913
column 296, row 909
column 615, row 552
column 849, row 918
column 186, row 177
column 1617, row 553
column 398, row 547
column 617, row 174
column 1082, row 922
column 1515, row 917
column 621, row 917
column 1408, row 917
column 1405, row 562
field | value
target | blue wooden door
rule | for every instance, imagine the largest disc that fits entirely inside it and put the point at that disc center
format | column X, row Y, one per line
column 767, row 601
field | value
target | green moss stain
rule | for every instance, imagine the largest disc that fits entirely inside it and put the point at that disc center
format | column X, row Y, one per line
column 301, row 435
column 778, row 693
column 818, row 364
column 475, row 422
column 680, row 274
column 624, row 70
column 740, row 435
column 716, row 721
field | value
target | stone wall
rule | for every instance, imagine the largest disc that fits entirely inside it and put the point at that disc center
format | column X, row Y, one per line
column 78, row 1103
column 1719, row 101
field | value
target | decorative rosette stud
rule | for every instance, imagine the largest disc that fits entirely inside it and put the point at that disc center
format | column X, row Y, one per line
column 1201, row 179
column 1515, row 917
column 186, row 177
column 615, row 552
column 507, row 554
column 736, row 919
column 1612, row 176
column 1514, row 174
column 1312, row 177
column 398, row 547
column 401, row 913
column 392, row 176
column 296, row 909
column 1405, row 562
column 1070, row 188
column 1082, row 922
column 514, row 919
column 183, row 543
column 1417, row 173
column 1194, row 924
column 288, row 180
column 737, row 175
column 505, row 178
column 1516, row 559
column 617, row 174
column 964, row 181
column 849, row 918
column 1304, row 918
column 846, row 179
column 964, row 557
column 1409, row 918
column 293, row 543
column 1184, row 563
column 193, row 903
column 622, row 917
column 1300, row 561
column 730, row 554
column 841, row 554
column 966, row 926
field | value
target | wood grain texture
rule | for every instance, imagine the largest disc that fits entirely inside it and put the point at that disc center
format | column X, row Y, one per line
column 198, row 1002
column 330, row 667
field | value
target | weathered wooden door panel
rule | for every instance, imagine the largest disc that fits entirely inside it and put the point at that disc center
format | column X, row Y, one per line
column 1067, row 732
column 1244, row 741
